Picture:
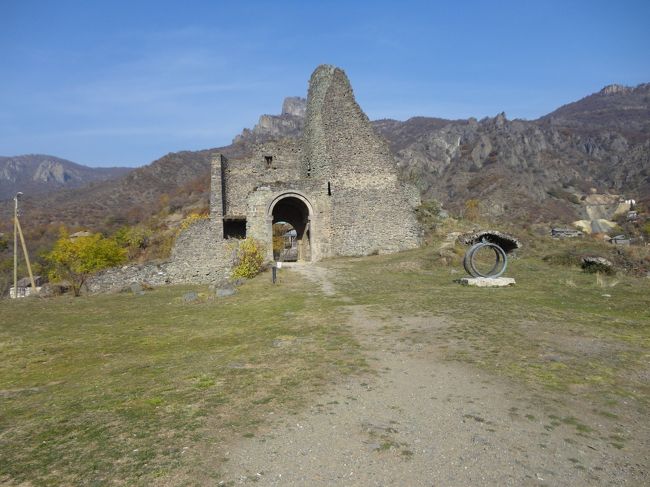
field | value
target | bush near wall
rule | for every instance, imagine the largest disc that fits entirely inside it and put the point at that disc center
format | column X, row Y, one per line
column 249, row 258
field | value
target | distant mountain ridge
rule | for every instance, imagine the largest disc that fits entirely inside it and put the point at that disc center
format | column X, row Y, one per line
column 514, row 167
column 615, row 107
column 517, row 169
column 38, row 174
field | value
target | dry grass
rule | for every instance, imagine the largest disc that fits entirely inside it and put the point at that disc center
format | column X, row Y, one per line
column 143, row 390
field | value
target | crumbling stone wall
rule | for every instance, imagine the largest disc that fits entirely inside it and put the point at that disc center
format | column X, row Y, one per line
column 118, row 278
column 340, row 170
column 243, row 176
column 200, row 254
column 371, row 210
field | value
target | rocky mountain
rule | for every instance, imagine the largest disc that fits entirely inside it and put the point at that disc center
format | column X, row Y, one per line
column 37, row 174
column 524, row 170
column 621, row 108
column 288, row 124
column 536, row 170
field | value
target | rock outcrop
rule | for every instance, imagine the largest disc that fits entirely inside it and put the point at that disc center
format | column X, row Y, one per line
column 39, row 174
column 289, row 123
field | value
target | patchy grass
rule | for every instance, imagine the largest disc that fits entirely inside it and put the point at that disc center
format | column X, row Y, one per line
column 581, row 338
column 147, row 390
column 144, row 390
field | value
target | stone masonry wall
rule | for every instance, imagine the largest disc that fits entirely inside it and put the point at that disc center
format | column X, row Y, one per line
column 371, row 210
column 118, row 278
column 243, row 176
column 317, row 161
column 200, row 255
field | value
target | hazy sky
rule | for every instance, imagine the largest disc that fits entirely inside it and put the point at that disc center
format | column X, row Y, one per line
column 125, row 82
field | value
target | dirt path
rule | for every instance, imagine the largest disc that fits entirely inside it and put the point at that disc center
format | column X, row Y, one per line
column 420, row 420
column 319, row 275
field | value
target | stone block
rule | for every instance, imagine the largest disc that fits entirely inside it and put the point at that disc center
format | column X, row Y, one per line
column 487, row 282
column 226, row 290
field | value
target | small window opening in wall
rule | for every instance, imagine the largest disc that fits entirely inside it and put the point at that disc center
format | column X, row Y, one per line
column 269, row 161
column 234, row 228
column 329, row 189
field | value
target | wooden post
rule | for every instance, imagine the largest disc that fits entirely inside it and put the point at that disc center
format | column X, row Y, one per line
column 29, row 266
column 15, row 254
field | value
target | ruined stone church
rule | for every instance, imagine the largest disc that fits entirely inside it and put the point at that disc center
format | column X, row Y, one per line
column 337, row 187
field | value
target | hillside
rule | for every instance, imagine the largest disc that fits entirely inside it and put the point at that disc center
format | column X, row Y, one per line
column 525, row 171
column 38, row 174
column 621, row 108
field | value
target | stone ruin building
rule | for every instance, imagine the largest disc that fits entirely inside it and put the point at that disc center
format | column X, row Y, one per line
column 337, row 186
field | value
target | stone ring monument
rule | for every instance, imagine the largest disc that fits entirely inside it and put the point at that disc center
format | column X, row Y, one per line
column 473, row 269
column 487, row 257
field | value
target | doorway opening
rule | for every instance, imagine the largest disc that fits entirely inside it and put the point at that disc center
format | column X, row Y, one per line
column 291, row 229
column 285, row 242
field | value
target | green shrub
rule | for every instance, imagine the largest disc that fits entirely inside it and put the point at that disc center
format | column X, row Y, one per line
column 249, row 258
column 134, row 239
column 75, row 260
column 596, row 268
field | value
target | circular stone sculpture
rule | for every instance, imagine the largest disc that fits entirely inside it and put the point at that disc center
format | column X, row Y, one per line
column 484, row 244
column 500, row 261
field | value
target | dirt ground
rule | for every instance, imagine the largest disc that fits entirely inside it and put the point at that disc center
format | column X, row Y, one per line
column 424, row 421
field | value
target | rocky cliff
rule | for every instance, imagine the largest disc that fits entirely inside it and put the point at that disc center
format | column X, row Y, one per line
column 528, row 170
column 39, row 174
column 521, row 169
column 289, row 123
column 535, row 170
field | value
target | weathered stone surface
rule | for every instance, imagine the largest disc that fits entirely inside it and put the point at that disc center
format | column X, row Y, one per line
column 225, row 290
column 201, row 255
column 593, row 263
column 294, row 105
column 487, row 281
column 190, row 297
column 136, row 288
column 507, row 242
column 337, row 186
column 117, row 278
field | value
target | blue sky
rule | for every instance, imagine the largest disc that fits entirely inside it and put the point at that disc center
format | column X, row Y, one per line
column 125, row 82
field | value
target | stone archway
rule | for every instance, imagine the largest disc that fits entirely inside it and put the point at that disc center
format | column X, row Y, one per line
column 295, row 209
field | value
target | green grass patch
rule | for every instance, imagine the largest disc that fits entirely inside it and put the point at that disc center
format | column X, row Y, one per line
column 141, row 389
column 129, row 389
column 558, row 328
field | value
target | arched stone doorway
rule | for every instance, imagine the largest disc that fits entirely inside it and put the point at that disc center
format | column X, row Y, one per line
column 295, row 210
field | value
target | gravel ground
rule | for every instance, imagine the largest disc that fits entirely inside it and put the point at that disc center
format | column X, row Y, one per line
column 421, row 421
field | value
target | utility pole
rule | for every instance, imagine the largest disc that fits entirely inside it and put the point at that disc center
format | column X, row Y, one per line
column 29, row 266
column 16, row 244
column 18, row 232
